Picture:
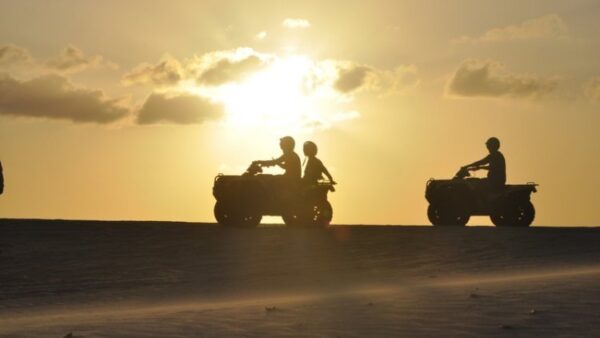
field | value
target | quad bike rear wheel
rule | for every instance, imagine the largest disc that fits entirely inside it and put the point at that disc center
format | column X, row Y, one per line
column 221, row 214
column 515, row 215
column 318, row 214
column 446, row 216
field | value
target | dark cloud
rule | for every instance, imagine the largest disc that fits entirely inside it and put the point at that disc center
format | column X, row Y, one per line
column 72, row 59
column 52, row 96
column 226, row 70
column 182, row 109
column 489, row 79
column 165, row 73
column 352, row 78
column 11, row 55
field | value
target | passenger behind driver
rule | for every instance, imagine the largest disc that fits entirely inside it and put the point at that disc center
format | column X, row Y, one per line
column 314, row 169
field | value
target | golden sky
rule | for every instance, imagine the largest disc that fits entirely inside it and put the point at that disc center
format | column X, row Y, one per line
column 128, row 109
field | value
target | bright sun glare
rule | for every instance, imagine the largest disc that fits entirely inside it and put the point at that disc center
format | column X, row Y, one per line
column 289, row 94
column 271, row 96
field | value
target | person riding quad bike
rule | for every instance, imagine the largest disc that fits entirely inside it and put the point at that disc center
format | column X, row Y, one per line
column 289, row 161
column 314, row 168
column 494, row 163
column 454, row 201
column 243, row 200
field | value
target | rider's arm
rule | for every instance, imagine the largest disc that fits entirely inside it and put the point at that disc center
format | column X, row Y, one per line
column 270, row 163
column 479, row 163
column 326, row 172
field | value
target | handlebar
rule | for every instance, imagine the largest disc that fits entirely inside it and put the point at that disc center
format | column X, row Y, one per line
column 475, row 168
column 254, row 169
column 464, row 172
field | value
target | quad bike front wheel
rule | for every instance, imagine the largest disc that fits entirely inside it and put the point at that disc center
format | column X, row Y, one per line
column 440, row 216
column 228, row 216
column 291, row 218
column 318, row 214
column 515, row 215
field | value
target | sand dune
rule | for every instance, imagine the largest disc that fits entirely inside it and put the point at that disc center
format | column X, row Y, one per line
column 132, row 279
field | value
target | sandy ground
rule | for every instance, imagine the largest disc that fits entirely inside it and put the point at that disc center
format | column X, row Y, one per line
column 135, row 279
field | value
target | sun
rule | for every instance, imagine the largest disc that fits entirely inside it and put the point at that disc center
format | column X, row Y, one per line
column 273, row 96
column 289, row 94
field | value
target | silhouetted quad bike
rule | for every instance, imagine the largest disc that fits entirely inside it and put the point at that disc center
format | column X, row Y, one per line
column 242, row 200
column 452, row 202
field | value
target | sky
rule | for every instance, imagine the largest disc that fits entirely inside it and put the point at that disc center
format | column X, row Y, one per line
column 128, row 109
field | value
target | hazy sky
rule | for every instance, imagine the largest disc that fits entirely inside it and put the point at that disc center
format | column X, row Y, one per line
column 127, row 110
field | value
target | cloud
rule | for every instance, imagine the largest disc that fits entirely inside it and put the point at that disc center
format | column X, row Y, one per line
column 196, row 89
column 353, row 77
column 229, row 70
column 11, row 55
column 54, row 97
column 592, row 89
column 210, row 69
column 180, row 109
column 397, row 80
column 72, row 59
column 475, row 78
column 165, row 73
column 261, row 36
column 550, row 26
column 293, row 23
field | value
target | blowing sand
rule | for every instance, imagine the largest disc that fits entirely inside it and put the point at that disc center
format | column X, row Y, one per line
column 135, row 279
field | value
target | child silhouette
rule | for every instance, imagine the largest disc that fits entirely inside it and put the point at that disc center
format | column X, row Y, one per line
column 314, row 169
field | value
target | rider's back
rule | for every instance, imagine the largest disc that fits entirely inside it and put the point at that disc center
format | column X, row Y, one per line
column 497, row 169
column 292, row 166
column 313, row 171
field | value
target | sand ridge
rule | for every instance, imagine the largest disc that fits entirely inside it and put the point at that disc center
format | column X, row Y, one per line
column 181, row 280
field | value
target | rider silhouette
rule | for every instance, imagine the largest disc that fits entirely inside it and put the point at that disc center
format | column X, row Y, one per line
column 494, row 163
column 1, row 180
column 289, row 161
column 314, row 169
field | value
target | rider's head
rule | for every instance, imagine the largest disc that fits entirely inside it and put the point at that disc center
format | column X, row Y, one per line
column 310, row 149
column 493, row 144
column 287, row 144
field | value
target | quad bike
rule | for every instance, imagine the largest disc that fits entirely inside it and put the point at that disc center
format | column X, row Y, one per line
column 454, row 201
column 242, row 200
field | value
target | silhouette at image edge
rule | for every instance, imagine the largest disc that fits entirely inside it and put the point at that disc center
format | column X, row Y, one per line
column 1, row 180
